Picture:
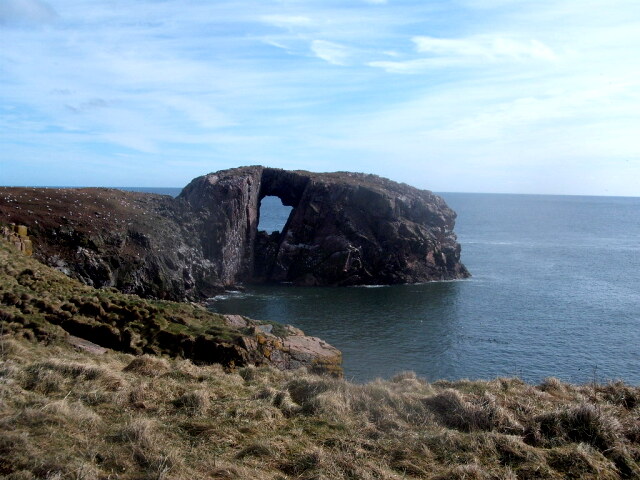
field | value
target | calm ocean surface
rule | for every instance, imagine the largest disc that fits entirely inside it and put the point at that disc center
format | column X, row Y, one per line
column 555, row 292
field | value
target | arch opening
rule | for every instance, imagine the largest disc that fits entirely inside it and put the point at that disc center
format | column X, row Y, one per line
column 272, row 221
column 273, row 215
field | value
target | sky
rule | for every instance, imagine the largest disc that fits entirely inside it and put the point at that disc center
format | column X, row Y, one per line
column 506, row 96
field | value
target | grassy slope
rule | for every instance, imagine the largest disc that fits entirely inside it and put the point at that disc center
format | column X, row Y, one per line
column 35, row 299
column 68, row 414
column 74, row 415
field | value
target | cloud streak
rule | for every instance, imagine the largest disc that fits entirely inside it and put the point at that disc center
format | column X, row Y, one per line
column 330, row 52
column 484, row 46
column 464, row 52
column 493, row 94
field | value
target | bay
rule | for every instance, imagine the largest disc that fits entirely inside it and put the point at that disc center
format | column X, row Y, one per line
column 555, row 292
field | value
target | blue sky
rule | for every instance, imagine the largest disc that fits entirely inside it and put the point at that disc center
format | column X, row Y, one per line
column 468, row 95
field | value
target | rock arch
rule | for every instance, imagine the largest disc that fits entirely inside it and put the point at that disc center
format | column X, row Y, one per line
column 344, row 229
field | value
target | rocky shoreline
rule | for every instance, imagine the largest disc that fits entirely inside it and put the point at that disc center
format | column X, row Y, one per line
column 125, row 247
column 344, row 229
column 38, row 302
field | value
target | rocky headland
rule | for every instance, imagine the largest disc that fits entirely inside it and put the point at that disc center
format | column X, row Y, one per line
column 138, row 243
column 344, row 229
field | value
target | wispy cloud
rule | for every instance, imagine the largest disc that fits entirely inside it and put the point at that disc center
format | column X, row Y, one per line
column 471, row 51
column 286, row 21
column 495, row 93
column 485, row 46
column 330, row 52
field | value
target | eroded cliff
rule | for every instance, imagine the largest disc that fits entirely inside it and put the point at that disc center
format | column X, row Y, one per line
column 344, row 229
column 139, row 243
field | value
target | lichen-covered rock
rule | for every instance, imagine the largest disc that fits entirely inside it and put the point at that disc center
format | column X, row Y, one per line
column 294, row 351
column 17, row 236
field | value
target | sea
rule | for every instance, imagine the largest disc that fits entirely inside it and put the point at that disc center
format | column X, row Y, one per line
column 554, row 292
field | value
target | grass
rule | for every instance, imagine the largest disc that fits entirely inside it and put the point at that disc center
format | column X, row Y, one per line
column 73, row 414
column 39, row 302
column 69, row 414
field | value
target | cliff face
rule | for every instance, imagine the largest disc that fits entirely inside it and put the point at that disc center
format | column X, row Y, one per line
column 344, row 229
column 138, row 243
column 226, row 205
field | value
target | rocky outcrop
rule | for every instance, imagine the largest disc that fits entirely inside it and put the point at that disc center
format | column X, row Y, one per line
column 17, row 236
column 139, row 243
column 344, row 229
column 287, row 349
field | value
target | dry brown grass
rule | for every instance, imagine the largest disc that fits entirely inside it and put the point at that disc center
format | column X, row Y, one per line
column 71, row 415
column 66, row 414
column 193, row 403
column 148, row 365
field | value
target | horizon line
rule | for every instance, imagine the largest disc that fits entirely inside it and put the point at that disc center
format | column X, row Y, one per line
column 434, row 191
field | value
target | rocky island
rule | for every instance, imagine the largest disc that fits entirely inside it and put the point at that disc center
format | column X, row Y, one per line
column 344, row 229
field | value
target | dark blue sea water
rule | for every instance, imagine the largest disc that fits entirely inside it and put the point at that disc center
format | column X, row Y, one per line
column 555, row 292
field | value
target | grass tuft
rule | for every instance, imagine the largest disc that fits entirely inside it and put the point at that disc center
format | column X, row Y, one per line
column 585, row 423
column 481, row 413
column 148, row 365
column 193, row 403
